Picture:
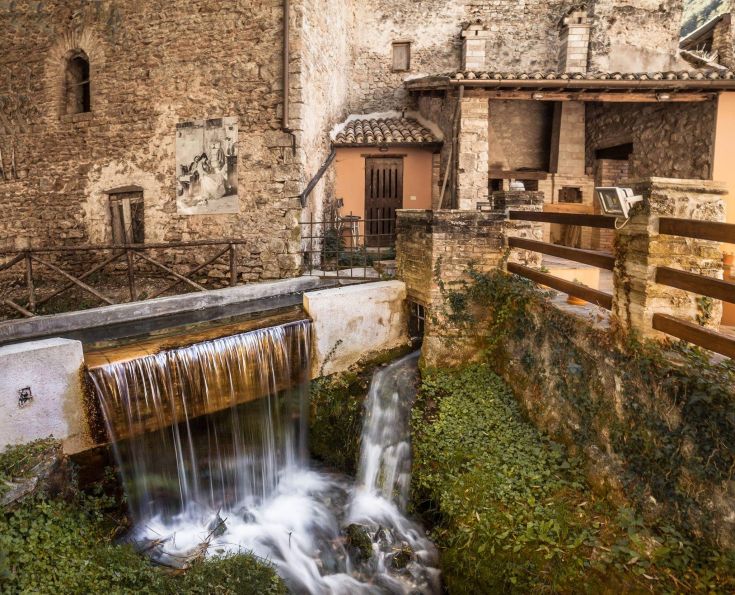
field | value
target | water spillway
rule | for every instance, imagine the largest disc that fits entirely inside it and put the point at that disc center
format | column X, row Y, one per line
column 226, row 470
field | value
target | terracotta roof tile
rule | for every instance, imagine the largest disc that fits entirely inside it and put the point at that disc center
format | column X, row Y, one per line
column 384, row 131
column 681, row 75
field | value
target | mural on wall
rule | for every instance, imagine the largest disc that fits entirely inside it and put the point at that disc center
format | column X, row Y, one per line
column 206, row 166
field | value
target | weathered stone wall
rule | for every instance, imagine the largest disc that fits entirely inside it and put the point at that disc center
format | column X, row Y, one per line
column 522, row 36
column 322, row 64
column 684, row 129
column 636, row 35
column 640, row 250
column 520, row 134
column 441, row 110
column 434, row 252
column 153, row 64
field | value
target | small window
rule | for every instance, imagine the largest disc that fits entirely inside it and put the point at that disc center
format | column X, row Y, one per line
column 401, row 56
column 570, row 195
column 128, row 223
column 76, row 83
column 416, row 320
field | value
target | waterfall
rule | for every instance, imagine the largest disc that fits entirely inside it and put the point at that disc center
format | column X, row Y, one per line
column 211, row 442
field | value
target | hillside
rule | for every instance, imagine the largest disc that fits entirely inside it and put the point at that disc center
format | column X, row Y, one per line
column 698, row 12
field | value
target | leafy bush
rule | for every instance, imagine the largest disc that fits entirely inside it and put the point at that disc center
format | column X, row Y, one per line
column 512, row 511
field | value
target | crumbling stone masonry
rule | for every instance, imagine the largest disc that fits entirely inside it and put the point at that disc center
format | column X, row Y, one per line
column 640, row 249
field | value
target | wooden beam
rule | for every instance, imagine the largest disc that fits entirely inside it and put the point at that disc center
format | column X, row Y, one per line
column 630, row 96
column 81, row 277
column 191, row 272
column 170, row 271
column 599, row 298
column 693, row 333
column 518, row 175
column 701, row 230
column 599, row 221
column 601, row 260
column 18, row 308
column 74, row 280
column 12, row 261
column 700, row 284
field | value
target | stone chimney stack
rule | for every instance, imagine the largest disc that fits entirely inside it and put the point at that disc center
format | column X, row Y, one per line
column 474, row 42
column 574, row 42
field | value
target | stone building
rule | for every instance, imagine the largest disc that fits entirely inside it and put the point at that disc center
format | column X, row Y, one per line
column 161, row 121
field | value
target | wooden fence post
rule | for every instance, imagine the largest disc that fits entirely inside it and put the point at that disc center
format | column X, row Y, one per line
column 29, row 282
column 233, row 265
column 131, row 274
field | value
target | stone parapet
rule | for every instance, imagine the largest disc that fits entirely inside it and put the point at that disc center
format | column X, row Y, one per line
column 640, row 249
column 521, row 201
column 435, row 251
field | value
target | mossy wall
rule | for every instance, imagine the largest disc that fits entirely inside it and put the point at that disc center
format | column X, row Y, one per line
column 655, row 423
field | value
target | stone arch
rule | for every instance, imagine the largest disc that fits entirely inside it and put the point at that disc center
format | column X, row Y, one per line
column 78, row 43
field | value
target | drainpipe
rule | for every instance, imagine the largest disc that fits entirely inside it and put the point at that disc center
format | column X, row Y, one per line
column 286, row 66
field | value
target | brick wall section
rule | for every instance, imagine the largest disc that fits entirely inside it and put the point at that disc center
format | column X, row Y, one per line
column 684, row 129
column 447, row 242
column 640, row 249
column 574, row 42
column 722, row 42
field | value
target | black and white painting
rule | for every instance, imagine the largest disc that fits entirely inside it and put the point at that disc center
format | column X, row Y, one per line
column 206, row 167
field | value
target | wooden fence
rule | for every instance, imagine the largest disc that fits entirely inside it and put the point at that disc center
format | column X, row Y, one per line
column 695, row 283
column 328, row 248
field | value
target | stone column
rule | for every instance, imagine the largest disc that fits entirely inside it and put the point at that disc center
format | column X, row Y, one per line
column 640, row 249
column 434, row 252
column 473, row 150
column 521, row 201
column 574, row 42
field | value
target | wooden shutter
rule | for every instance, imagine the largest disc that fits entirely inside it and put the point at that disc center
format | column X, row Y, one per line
column 383, row 197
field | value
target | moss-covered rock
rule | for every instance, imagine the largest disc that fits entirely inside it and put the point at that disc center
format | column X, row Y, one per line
column 358, row 542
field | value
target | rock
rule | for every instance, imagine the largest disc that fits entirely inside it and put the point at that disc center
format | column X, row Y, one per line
column 359, row 543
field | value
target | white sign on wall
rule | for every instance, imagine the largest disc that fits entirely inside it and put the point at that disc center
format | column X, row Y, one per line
column 206, row 167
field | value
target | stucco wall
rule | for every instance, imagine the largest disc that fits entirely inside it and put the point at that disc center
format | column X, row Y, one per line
column 669, row 140
column 723, row 171
column 350, row 177
column 52, row 370
column 350, row 323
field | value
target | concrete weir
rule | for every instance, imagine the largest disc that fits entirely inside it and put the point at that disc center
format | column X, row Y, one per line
column 42, row 385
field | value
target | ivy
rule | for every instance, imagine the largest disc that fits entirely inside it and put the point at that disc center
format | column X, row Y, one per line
column 512, row 511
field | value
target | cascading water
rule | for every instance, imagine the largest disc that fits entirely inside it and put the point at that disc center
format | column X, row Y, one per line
column 238, row 478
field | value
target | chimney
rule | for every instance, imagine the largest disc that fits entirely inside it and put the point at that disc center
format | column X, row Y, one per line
column 574, row 42
column 474, row 41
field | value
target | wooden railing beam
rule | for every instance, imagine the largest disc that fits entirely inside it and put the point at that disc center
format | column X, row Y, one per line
column 702, row 230
column 74, row 280
column 700, row 284
column 693, row 333
column 599, row 298
column 580, row 219
column 601, row 260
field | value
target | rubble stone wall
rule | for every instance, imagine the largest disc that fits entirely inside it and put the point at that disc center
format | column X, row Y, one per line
column 153, row 64
column 684, row 129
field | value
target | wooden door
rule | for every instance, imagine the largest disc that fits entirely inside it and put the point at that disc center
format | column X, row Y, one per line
column 383, row 197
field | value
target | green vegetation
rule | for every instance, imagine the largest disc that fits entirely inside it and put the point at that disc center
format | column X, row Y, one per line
column 337, row 410
column 66, row 545
column 660, row 414
column 512, row 512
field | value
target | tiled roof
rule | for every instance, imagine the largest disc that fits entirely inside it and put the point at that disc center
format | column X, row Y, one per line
column 710, row 78
column 683, row 75
column 384, row 131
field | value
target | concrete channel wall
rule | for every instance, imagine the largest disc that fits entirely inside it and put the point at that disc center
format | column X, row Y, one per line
column 41, row 385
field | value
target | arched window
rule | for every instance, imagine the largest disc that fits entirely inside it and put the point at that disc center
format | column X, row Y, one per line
column 77, row 92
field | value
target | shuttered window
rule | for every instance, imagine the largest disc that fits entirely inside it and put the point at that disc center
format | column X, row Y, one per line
column 401, row 56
